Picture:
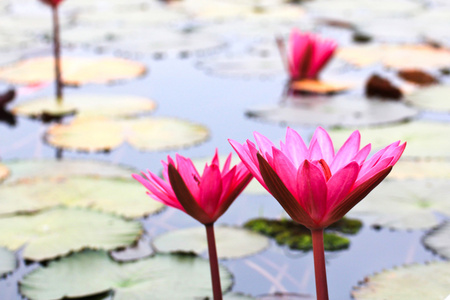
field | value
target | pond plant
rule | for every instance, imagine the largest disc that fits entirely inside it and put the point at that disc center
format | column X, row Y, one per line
column 54, row 4
column 204, row 197
column 315, row 185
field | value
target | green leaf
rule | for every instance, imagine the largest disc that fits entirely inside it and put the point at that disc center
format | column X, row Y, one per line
column 160, row 278
column 430, row 281
column 231, row 242
column 86, row 105
column 31, row 168
column 438, row 240
column 406, row 204
column 334, row 112
column 8, row 261
column 298, row 237
column 147, row 134
column 119, row 196
column 57, row 232
column 424, row 139
column 433, row 98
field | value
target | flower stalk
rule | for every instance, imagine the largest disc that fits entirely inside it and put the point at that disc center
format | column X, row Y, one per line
column 57, row 54
column 213, row 262
column 319, row 264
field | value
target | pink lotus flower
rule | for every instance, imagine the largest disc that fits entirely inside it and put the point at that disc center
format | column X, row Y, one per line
column 204, row 197
column 315, row 185
column 53, row 3
column 308, row 54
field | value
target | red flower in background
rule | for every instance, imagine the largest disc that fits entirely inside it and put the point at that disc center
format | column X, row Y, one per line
column 308, row 54
column 53, row 3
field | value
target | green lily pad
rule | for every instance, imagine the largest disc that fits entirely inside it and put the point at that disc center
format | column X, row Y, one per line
column 237, row 296
column 4, row 172
column 419, row 169
column 429, row 281
column 86, row 105
column 118, row 196
column 87, row 273
column 243, row 66
column 31, row 168
column 8, row 261
column 57, row 232
column 76, row 70
column 433, row 98
column 298, row 237
column 334, row 112
column 438, row 240
column 406, row 204
column 232, row 242
column 424, row 139
column 148, row 134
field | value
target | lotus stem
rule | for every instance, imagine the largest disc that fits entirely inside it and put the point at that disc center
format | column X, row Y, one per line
column 319, row 264
column 213, row 262
column 57, row 55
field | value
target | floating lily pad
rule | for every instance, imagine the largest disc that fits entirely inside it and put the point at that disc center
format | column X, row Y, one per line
column 298, row 237
column 237, row 296
column 424, row 139
column 76, row 70
column 118, row 196
column 438, row 240
column 434, row 98
column 57, row 232
column 29, row 168
column 396, row 56
column 4, row 172
column 86, row 105
column 88, row 273
column 428, row 281
column 232, row 242
column 419, row 169
column 150, row 134
column 142, row 249
column 286, row 296
column 243, row 66
column 406, row 204
column 334, row 112
column 8, row 261
column 318, row 87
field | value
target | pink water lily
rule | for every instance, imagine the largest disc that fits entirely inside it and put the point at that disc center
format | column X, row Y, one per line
column 315, row 185
column 308, row 54
column 204, row 197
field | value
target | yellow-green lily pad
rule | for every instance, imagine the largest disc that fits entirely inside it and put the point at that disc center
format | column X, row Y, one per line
column 75, row 70
column 119, row 196
column 429, row 281
column 31, row 168
column 232, row 242
column 86, row 105
column 419, row 169
column 424, row 139
column 148, row 134
column 334, row 112
column 435, row 98
column 59, row 231
column 8, row 261
column 88, row 273
column 438, row 240
column 406, row 204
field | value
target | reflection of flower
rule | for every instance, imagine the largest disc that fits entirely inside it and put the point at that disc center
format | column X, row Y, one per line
column 204, row 197
column 53, row 3
column 308, row 54
column 316, row 186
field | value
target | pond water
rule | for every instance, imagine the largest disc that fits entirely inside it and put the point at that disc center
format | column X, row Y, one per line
column 183, row 90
